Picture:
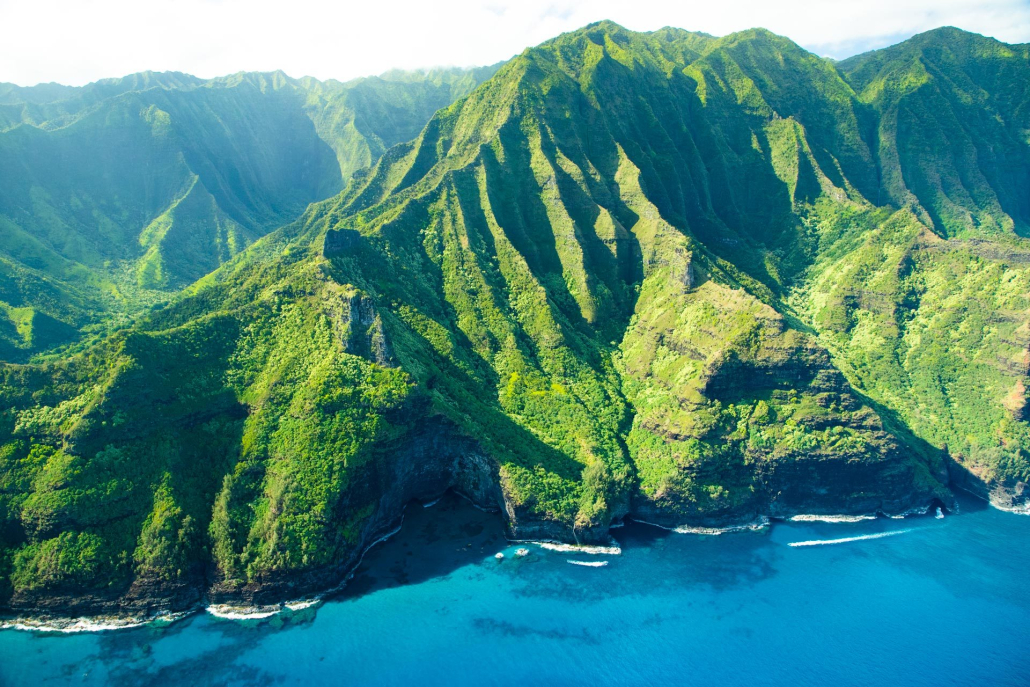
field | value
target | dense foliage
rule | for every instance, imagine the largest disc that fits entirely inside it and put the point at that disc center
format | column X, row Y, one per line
column 689, row 278
column 119, row 193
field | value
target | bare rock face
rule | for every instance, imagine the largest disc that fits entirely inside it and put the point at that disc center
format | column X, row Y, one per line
column 1010, row 495
column 145, row 598
column 340, row 241
column 357, row 323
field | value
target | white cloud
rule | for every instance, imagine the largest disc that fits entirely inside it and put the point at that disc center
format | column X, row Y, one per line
column 77, row 41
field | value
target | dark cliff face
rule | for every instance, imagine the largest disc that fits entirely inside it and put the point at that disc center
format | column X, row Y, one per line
column 631, row 275
column 420, row 467
column 432, row 459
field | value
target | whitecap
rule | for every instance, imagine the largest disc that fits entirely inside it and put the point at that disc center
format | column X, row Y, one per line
column 1022, row 509
column 756, row 524
column 383, row 538
column 613, row 550
column 302, row 604
column 759, row 523
column 70, row 626
column 89, row 624
column 910, row 512
column 824, row 542
column 830, row 518
column 229, row 612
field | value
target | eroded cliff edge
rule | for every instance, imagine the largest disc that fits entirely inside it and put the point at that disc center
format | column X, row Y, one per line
column 438, row 458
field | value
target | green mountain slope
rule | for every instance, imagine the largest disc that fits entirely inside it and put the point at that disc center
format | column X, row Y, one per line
column 121, row 192
column 665, row 276
column 951, row 126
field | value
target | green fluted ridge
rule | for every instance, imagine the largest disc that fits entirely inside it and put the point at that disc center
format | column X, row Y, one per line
column 688, row 279
column 118, row 194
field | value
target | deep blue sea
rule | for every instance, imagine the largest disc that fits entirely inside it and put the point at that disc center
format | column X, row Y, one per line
column 940, row 602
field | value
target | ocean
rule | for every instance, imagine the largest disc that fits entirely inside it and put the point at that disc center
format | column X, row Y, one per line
column 912, row 602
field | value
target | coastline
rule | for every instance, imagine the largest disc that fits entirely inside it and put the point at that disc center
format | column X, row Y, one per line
column 224, row 611
column 1023, row 509
column 759, row 523
column 243, row 612
column 612, row 550
column 99, row 623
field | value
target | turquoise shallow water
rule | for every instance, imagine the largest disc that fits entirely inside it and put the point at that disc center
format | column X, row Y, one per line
column 946, row 602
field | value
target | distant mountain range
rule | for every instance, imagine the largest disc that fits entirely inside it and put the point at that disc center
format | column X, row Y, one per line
column 690, row 280
column 121, row 192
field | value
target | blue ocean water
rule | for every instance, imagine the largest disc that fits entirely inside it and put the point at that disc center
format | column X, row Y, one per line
column 937, row 603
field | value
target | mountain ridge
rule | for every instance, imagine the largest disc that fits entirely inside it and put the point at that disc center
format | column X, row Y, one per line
column 623, row 277
column 254, row 148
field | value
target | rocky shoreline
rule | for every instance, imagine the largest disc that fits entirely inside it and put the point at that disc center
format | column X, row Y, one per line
column 245, row 607
column 440, row 461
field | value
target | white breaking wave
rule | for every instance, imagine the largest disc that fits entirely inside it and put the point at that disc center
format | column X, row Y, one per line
column 909, row 513
column 70, row 626
column 301, row 605
column 96, row 624
column 759, row 523
column 1023, row 509
column 229, row 612
column 589, row 564
column 581, row 548
column 831, row 518
column 845, row 540
column 381, row 539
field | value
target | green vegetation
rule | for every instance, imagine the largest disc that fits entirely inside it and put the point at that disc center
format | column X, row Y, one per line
column 686, row 278
column 118, row 194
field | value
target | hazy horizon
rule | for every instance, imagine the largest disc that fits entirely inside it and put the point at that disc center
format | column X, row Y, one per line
column 212, row 38
column 426, row 68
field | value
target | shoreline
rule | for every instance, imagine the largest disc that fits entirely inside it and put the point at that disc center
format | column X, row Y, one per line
column 587, row 549
column 258, row 612
column 227, row 611
column 764, row 521
column 97, row 623
column 1015, row 510
column 759, row 523
column 244, row 612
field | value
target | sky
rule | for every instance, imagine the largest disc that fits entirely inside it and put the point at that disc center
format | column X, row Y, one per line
column 78, row 41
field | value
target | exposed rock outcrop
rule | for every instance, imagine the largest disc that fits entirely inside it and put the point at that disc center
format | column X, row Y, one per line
column 340, row 241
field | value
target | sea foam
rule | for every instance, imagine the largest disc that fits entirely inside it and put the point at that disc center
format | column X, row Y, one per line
column 613, row 550
column 759, row 523
column 830, row 518
column 229, row 612
column 71, row 626
column 301, row 604
column 88, row 624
